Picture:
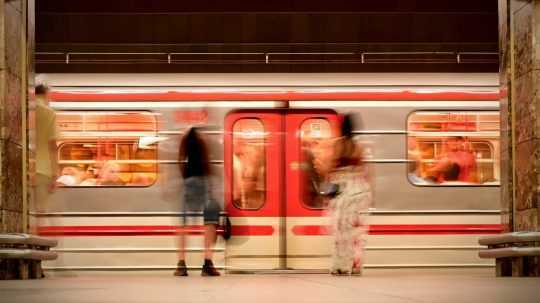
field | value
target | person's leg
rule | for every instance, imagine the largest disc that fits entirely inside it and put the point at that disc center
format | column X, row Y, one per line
column 209, row 240
column 181, row 268
column 341, row 249
column 211, row 221
column 361, row 232
column 39, row 204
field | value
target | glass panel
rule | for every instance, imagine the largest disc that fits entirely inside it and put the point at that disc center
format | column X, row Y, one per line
column 249, row 164
column 312, row 131
column 453, row 148
column 93, row 153
column 106, row 122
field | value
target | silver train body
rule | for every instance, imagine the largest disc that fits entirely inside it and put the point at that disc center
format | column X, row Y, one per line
column 130, row 227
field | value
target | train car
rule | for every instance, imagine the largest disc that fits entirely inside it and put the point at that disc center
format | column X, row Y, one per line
column 259, row 127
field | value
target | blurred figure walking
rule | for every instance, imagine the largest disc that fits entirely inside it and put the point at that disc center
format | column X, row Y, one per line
column 350, row 198
column 46, row 161
column 195, row 170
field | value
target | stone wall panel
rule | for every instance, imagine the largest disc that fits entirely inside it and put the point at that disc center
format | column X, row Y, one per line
column 13, row 19
column 525, row 107
column 527, row 155
column 2, row 38
column 13, row 109
column 516, row 5
column 11, row 221
column 12, row 181
column 522, row 21
column 16, row 4
column 504, row 49
column 528, row 220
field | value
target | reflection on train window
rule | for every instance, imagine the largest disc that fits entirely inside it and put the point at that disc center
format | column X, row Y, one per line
column 453, row 148
column 249, row 164
column 312, row 132
column 107, row 149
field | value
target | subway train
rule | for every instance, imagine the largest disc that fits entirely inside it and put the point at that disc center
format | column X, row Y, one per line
column 117, row 205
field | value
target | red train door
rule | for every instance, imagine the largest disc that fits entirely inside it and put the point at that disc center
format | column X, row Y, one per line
column 307, row 242
column 268, row 168
column 254, row 189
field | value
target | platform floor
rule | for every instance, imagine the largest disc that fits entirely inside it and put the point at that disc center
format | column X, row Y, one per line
column 377, row 285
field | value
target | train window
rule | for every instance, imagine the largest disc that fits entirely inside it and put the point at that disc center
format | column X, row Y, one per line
column 312, row 131
column 100, row 149
column 453, row 148
column 249, row 164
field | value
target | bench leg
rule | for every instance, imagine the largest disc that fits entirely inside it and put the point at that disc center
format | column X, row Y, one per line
column 518, row 267
column 531, row 266
column 36, row 272
column 24, row 269
column 503, row 267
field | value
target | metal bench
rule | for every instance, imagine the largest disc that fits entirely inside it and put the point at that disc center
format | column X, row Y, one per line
column 516, row 254
column 21, row 255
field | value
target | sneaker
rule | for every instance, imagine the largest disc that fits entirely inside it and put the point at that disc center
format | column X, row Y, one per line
column 339, row 272
column 181, row 269
column 209, row 269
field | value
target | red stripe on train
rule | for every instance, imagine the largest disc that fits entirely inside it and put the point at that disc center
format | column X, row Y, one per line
column 264, row 230
column 405, row 95
column 417, row 229
column 147, row 230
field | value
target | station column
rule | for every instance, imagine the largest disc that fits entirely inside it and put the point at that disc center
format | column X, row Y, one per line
column 16, row 43
column 519, row 40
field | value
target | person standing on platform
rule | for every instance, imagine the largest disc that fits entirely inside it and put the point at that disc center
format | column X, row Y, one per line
column 46, row 163
column 350, row 195
column 195, row 169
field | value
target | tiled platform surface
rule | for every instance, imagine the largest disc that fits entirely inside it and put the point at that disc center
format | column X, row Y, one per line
column 377, row 285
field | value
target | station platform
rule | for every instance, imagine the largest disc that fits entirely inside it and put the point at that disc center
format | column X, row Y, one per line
column 377, row 285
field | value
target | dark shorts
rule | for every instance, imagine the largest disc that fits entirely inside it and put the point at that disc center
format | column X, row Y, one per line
column 197, row 200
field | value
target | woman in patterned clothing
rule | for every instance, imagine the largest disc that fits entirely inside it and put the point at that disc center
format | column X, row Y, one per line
column 350, row 194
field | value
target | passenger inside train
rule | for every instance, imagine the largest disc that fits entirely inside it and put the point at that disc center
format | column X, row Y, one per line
column 438, row 140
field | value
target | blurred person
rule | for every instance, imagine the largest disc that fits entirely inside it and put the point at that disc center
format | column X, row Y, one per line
column 445, row 172
column 415, row 160
column 311, row 178
column 460, row 153
column 416, row 152
column 71, row 176
column 195, row 169
column 109, row 175
column 451, row 174
column 90, row 176
column 350, row 198
column 46, row 160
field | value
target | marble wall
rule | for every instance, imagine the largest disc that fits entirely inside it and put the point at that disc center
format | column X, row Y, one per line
column 506, row 117
column 519, row 41
column 13, row 96
column 525, row 77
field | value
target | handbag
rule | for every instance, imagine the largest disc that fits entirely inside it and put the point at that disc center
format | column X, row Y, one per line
column 227, row 227
column 328, row 189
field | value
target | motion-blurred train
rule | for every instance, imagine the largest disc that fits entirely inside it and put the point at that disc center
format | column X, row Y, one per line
column 119, row 199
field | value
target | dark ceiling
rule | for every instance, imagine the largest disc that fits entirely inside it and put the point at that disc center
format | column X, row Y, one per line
column 266, row 36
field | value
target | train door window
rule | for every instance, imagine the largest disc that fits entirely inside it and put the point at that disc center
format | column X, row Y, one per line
column 312, row 132
column 107, row 149
column 453, row 148
column 249, row 164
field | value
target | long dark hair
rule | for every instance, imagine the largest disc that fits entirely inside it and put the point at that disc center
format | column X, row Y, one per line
column 350, row 152
column 193, row 155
